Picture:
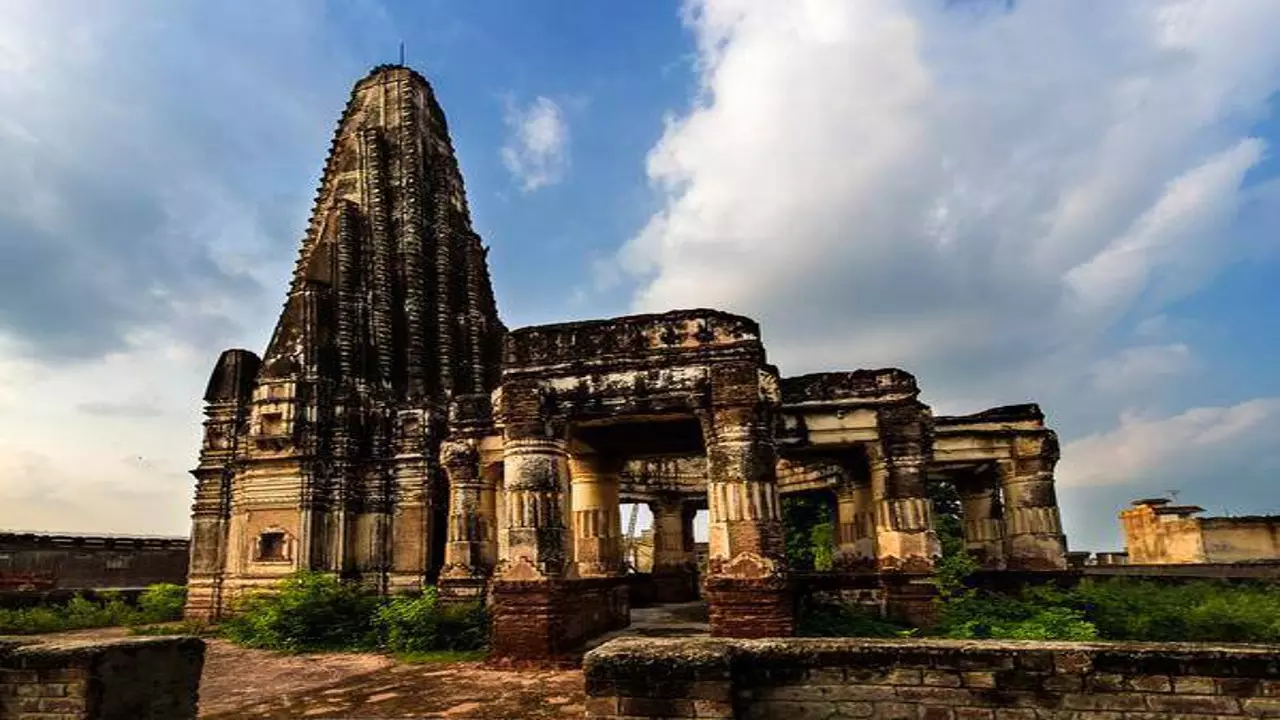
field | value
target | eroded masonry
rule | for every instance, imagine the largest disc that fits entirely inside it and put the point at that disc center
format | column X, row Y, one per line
column 397, row 432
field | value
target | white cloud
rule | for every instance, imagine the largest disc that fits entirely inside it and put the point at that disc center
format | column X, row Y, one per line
column 537, row 148
column 978, row 197
column 1140, row 366
column 153, row 231
column 1188, row 449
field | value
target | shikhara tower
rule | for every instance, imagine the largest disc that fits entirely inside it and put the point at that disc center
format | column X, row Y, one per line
column 323, row 454
column 396, row 432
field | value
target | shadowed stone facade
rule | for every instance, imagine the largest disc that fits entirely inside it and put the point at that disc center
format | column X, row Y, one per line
column 395, row 431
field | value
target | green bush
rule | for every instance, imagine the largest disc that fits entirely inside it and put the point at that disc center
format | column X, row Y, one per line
column 1204, row 611
column 1118, row 609
column 307, row 611
column 419, row 624
column 158, row 603
column 846, row 620
column 162, row 602
column 972, row 614
column 313, row 611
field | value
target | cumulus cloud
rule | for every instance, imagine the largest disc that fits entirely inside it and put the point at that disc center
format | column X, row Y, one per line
column 149, row 222
column 1189, row 448
column 537, row 148
column 971, row 195
column 1004, row 198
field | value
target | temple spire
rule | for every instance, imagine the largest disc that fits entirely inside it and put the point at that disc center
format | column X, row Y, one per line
column 389, row 254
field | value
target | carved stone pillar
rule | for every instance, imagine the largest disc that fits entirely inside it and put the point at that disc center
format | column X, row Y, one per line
column 414, row 476
column 747, row 587
column 983, row 520
column 905, row 538
column 1033, row 526
column 535, row 484
column 541, row 610
column 597, row 523
column 470, row 551
column 674, row 575
column 855, row 527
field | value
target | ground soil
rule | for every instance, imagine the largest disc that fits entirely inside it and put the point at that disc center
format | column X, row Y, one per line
column 240, row 683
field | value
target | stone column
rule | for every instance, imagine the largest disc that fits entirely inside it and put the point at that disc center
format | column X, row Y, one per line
column 983, row 520
column 597, row 523
column 1033, row 527
column 472, row 525
column 535, row 482
column 541, row 610
column 905, row 538
column 747, row 587
column 674, row 574
column 906, row 543
column 855, row 527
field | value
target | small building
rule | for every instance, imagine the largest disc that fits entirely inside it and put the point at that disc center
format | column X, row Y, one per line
column 1157, row 532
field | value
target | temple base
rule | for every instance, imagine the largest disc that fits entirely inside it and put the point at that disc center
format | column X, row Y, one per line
column 754, row 608
column 547, row 621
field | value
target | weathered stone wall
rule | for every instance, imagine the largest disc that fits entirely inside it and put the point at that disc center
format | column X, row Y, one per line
column 134, row 678
column 29, row 560
column 799, row 679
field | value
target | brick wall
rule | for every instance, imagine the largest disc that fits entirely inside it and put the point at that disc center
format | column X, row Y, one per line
column 830, row 679
column 134, row 678
column 81, row 562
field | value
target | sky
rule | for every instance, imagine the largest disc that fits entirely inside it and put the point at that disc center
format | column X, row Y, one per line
column 1069, row 203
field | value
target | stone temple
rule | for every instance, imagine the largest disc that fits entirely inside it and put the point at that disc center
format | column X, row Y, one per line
column 395, row 431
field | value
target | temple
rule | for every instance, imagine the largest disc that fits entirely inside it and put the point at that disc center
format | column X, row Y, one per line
column 396, row 432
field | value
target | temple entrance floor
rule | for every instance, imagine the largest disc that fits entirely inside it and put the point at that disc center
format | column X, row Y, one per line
column 688, row 619
column 670, row 620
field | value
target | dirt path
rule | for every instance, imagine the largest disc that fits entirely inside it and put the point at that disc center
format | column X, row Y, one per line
column 240, row 683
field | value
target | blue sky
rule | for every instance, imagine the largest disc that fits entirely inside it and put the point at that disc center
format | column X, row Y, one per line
column 1063, row 202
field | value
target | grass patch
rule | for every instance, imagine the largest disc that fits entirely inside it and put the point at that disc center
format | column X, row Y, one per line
column 439, row 656
column 182, row 627
column 158, row 603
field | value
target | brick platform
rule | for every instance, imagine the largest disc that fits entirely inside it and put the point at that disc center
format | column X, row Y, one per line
column 547, row 622
column 134, row 678
column 797, row 679
column 750, row 608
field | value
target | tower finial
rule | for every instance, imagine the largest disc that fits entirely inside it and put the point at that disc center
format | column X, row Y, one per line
column 401, row 53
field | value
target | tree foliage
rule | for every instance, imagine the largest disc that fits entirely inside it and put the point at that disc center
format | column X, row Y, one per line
column 810, row 533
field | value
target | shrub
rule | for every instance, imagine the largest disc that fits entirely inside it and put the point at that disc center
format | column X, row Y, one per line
column 307, row 611
column 1204, row 611
column 418, row 624
column 162, row 602
column 846, row 620
column 158, row 603
column 409, row 624
column 312, row 611
column 973, row 615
